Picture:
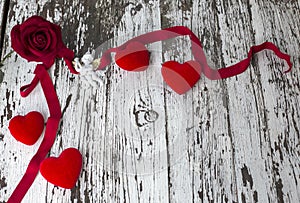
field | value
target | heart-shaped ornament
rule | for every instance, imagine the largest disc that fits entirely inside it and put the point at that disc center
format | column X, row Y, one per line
column 27, row 129
column 135, row 57
column 64, row 170
column 181, row 77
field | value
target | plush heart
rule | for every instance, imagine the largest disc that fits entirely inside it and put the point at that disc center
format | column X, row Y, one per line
column 64, row 170
column 27, row 129
column 181, row 77
column 135, row 57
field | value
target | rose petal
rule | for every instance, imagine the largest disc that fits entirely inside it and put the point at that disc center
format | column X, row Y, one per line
column 18, row 45
column 40, row 40
column 49, row 40
column 33, row 20
column 54, row 42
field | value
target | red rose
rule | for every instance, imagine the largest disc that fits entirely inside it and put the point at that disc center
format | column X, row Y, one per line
column 39, row 40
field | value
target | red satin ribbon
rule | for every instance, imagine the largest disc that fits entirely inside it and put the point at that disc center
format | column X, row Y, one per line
column 68, row 56
column 197, row 50
column 42, row 76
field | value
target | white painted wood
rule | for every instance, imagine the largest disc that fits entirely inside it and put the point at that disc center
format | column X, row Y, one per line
column 1, row 12
column 234, row 140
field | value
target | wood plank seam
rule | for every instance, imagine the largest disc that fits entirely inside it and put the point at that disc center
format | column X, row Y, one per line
column 3, row 25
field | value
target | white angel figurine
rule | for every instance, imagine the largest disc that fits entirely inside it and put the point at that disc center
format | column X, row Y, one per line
column 86, row 67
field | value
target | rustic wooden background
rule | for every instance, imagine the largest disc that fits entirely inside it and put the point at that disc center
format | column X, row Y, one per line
column 233, row 140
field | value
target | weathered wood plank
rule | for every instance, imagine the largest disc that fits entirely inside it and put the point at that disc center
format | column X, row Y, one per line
column 130, row 152
column 210, row 178
column 4, row 5
column 253, row 110
column 2, row 14
column 1, row 20
column 280, row 108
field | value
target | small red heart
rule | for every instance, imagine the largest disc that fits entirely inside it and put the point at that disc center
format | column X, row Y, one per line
column 181, row 77
column 27, row 129
column 135, row 57
column 64, row 170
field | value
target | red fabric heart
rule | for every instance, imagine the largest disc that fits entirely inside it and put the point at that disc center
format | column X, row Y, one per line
column 64, row 170
column 181, row 77
column 135, row 57
column 27, row 129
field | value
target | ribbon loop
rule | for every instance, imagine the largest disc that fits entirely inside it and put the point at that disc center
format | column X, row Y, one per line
column 42, row 76
column 27, row 89
column 197, row 50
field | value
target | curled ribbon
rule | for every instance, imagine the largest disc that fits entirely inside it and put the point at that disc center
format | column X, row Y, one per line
column 42, row 76
column 39, row 40
column 197, row 50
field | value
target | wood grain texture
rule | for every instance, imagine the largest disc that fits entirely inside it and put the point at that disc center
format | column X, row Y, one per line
column 1, row 20
column 233, row 140
column 2, row 14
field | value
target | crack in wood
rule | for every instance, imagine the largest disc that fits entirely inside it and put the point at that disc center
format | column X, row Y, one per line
column 247, row 178
column 3, row 183
column 3, row 25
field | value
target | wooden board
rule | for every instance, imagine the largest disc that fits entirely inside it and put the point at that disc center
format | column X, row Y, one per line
column 232, row 140
column 1, row 19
